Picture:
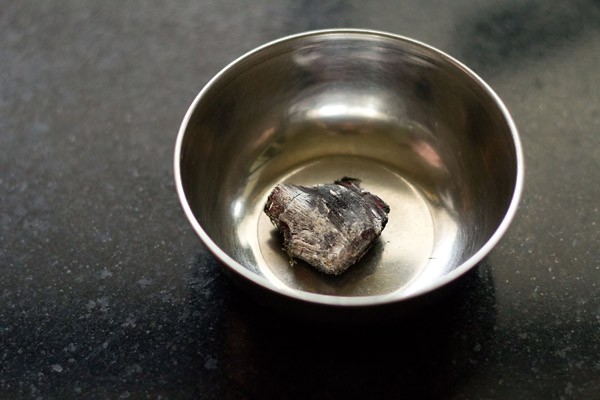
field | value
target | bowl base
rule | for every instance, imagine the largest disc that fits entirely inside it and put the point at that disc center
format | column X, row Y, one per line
column 400, row 258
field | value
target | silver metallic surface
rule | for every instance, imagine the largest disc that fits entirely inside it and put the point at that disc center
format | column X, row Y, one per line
column 418, row 128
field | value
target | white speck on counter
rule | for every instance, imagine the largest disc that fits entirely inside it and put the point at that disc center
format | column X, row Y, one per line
column 144, row 281
column 129, row 321
column 70, row 347
column 562, row 353
column 569, row 388
column 103, row 302
column 105, row 273
column 90, row 305
column 210, row 363
column 57, row 368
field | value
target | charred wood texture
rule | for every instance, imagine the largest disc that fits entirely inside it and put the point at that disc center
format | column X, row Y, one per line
column 329, row 226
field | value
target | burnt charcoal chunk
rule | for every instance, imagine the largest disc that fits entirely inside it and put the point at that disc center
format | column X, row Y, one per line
column 329, row 226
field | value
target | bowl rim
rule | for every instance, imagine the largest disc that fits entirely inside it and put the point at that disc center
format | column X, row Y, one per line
column 357, row 301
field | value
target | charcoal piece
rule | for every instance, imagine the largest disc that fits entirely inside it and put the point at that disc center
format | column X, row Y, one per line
column 329, row 226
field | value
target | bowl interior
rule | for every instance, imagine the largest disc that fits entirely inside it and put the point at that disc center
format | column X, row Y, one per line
column 417, row 128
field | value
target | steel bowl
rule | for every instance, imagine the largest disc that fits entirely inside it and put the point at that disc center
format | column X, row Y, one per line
column 417, row 127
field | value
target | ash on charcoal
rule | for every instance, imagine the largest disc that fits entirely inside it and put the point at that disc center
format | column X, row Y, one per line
column 330, row 226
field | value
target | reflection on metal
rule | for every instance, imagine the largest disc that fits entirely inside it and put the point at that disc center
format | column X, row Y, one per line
column 418, row 128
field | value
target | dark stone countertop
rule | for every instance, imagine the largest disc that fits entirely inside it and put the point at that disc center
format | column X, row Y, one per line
column 106, row 292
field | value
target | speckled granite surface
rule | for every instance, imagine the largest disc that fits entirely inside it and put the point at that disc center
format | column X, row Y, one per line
column 105, row 292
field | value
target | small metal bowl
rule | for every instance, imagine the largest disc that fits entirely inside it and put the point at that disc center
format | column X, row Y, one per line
column 417, row 127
